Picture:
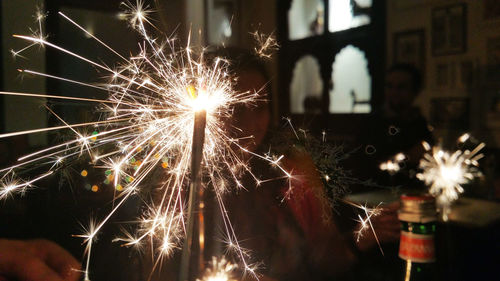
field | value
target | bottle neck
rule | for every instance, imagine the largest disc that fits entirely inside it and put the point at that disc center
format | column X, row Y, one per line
column 413, row 271
column 428, row 228
column 417, row 215
column 417, row 242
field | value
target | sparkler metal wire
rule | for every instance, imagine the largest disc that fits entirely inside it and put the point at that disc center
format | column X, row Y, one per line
column 167, row 108
column 148, row 124
column 196, row 158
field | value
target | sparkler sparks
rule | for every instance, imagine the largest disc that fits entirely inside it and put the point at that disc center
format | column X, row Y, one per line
column 147, row 126
column 365, row 223
column 219, row 270
column 266, row 44
column 393, row 165
column 445, row 172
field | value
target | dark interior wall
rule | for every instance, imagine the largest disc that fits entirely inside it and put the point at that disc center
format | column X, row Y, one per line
column 104, row 24
column 22, row 113
column 2, row 126
column 108, row 5
column 172, row 17
column 447, row 79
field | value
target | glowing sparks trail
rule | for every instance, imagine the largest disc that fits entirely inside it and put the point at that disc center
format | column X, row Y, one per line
column 365, row 223
column 445, row 172
column 219, row 270
column 393, row 165
column 147, row 126
column 266, row 44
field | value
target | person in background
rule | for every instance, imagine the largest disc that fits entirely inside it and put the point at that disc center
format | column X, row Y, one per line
column 397, row 127
column 290, row 226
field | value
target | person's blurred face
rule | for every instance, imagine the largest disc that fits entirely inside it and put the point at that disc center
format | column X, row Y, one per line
column 252, row 120
column 399, row 92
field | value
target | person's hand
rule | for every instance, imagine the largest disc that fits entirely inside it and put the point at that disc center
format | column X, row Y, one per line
column 386, row 226
column 36, row 260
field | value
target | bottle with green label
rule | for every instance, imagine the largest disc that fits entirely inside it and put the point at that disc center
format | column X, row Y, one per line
column 418, row 218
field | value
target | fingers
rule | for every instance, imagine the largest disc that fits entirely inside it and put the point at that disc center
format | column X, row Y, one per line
column 37, row 260
column 387, row 222
column 33, row 269
column 58, row 259
column 18, row 262
column 368, row 240
column 386, row 226
column 387, row 234
column 391, row 207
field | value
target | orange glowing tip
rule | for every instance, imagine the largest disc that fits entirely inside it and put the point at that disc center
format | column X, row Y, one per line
column 192, row 91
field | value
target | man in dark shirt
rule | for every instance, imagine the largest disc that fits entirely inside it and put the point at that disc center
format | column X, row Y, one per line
column 398, row 126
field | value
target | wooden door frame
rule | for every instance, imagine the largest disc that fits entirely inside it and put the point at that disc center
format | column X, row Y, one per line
column 291, row 51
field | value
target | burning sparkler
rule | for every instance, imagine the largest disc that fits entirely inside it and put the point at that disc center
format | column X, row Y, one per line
column 365, row 222
column 148, row 125
column 266, row 44
column 393, row 165
column 196, row 158
column 446, row 172
column 219, row 270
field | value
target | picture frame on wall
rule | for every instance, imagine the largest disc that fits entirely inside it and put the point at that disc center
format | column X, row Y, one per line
column 449, row 30
column 458, row 74
column 100, row 18
column 409, row 47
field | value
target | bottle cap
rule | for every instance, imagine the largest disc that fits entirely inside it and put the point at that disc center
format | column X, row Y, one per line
column 419, row 208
